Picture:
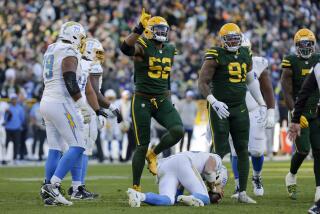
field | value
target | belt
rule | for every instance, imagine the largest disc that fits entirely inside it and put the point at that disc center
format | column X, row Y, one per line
column 153, row 97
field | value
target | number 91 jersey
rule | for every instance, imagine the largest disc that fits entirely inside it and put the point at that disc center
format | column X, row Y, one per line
column 152, row 74
column 229, row 80
column 55, row 89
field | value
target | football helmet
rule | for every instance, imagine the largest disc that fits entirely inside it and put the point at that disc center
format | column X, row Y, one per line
column 75, row 34
column 157, row 28
column 230, row 36
column 305, row 42
column 94, row 50
column 246, row 42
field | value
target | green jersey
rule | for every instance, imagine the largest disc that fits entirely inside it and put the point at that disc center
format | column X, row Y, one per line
column 229, row 80
column 300, row 70
column 152, row 74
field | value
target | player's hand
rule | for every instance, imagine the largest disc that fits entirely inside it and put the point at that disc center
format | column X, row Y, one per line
column 304, row 122
column 270, row 119
column 101, row 115
column 144, row 18
column 262, row 116
column 294, row 131
column 220, row 107
column 115, row 112
column 84, row 110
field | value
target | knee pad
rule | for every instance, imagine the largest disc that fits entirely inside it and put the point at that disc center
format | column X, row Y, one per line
column 177, row 132
column 256, row 153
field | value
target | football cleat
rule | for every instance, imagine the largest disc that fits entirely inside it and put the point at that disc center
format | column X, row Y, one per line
column 47, row 199
column 314, row 210
column 81, row 194
column 151, row 158
column 134, row 198
column 53, row 190
column 137, row 188
column 235, row 194
column 190, row 200
column 244, row 198
column 291, row 184
column 257, row 186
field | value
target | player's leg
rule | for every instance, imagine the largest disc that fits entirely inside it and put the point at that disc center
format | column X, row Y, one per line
column 302, row 144
column 141, row 118
column 234, row 164
column 315, row 144
column 257, row 142
column 239, row 130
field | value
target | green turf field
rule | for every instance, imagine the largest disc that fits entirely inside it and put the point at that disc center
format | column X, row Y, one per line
column 19, row 189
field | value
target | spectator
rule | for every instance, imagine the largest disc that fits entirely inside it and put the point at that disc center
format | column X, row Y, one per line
column 14, row 119
column 188, row 111
column 3, row 109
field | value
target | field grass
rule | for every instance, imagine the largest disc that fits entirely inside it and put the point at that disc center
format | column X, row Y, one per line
column 19, row 188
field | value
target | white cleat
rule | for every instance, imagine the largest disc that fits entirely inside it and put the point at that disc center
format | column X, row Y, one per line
column 291, row 184
column 257, row 186
column 244, row 198
column 134, row 198
column 317, row 195
column 54, row 192
column 190, row 200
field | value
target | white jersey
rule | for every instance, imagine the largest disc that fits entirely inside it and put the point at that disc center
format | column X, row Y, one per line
column 55, row 89
column 259, row 64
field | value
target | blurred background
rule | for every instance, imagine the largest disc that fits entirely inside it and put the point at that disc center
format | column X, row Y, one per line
column 27, row 27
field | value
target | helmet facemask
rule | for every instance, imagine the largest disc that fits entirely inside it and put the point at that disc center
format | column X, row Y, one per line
column 82, row 44
column 160, row 32
column 232, row 42
column 305, row 48
column 99, row 55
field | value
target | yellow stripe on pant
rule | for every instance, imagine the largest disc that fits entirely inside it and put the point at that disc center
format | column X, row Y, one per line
column 134, row 120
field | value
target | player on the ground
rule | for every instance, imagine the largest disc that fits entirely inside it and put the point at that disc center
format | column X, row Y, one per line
column 259, row 121
column 60, row 101
column 153, row 58
column 295, row 68
column 185, row 171
column 224, row 78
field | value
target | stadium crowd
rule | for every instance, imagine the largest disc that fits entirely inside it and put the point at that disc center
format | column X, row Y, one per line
column 29, row 26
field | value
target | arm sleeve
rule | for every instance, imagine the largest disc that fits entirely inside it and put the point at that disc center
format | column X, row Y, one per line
column 286, row 63
column 211, row 54
column 308, row 86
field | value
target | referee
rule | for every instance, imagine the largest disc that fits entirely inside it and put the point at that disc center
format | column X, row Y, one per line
column 310, row 84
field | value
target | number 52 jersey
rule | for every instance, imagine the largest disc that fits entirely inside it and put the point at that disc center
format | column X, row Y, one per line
column 229, row 80
column 55, row 89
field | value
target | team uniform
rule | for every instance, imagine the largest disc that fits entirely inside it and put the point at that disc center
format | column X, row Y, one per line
column 63, row 123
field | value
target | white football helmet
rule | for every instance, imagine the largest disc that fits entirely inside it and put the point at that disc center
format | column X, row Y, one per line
column 94, row 50
column 75, row 34
column 246, row 42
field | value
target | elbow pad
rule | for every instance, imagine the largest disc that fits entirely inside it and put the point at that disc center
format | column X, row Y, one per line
column 70, row 79
column 127, row 49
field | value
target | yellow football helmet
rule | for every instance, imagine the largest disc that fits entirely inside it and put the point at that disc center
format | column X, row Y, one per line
column 157, row 28
column 230, row 36
column 305, row 42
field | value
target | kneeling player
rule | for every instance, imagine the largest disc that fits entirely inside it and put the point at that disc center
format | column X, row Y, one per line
column 185, row 170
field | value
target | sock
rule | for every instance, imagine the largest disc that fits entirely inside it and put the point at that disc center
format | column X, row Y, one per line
column 169, row 139
column 75, row 185
column 257, row 163
column 68, row 160
column 234, row 162
column 296, row 161
column 52, row 163
column 205, row 199
column 243, row 168
column 316, row 166
column 138, row 161
column 76, row 172
column 85, row 160
column 156, row 199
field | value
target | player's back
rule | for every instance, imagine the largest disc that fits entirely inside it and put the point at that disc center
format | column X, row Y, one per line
column 55, row 89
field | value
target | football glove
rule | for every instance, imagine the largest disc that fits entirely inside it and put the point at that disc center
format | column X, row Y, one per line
column 219, row 107
column 113, row 112
column 304, row 122
column 270, row 120
column 144, row 18
column 84, row 109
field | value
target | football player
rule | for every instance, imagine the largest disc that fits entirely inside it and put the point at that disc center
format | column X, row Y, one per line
column 223, row 80
column 185, row 171
column 295, row 68
column 258, row 122
column 60, row 101
column 153, row 58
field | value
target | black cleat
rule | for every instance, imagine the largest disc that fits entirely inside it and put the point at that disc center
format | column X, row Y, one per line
column 82, row 194
column 314, row 210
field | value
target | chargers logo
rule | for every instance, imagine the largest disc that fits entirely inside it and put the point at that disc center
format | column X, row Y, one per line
column 71, row 123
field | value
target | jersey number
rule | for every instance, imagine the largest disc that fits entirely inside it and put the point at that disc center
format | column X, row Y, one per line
column 157, row 71
column 237, row 71
column 305, row 72
column 48, row 66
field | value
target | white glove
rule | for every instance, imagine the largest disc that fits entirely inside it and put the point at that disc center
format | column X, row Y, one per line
column 84, row 109
column 262, row 116
column 270, row 120
column 100, row 121
column 220, row 107
column 111, row 111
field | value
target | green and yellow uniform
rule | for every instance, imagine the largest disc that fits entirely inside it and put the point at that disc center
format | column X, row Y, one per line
column 229, row 86
column 152, row 99
column 300, row 68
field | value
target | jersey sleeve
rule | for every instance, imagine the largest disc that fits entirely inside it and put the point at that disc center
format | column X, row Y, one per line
column 141, row 42
column 211, row 53
column 286, row 63
column 96, row 69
